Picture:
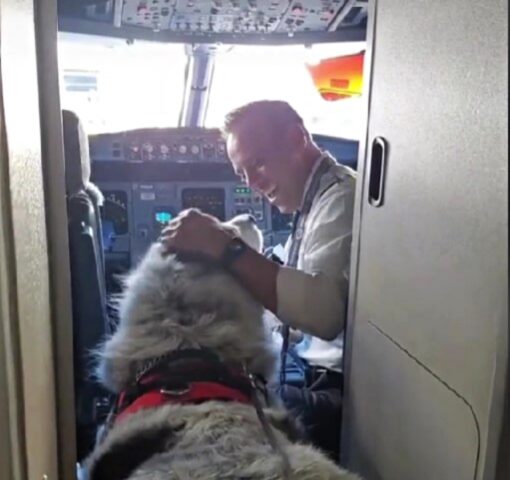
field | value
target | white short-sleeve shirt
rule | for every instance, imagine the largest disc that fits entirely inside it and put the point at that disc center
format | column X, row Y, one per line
column 313, row 297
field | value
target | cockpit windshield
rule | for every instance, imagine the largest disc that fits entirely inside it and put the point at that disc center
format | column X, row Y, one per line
column 245, row 73
column 114, row 85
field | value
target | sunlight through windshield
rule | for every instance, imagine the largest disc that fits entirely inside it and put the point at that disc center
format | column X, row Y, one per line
column 115, row 86
column 247, row 73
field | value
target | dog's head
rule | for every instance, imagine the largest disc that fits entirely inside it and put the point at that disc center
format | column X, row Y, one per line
column 169, row 304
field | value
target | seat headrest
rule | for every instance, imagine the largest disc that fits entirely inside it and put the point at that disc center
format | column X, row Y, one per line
column 76, row 151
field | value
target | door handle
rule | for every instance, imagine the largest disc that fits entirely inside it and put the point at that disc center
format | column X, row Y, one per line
column 377, row 172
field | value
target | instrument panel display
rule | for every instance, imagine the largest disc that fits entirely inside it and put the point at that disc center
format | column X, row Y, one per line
column 209, row 200
column 162, row 216
column 149, row 175
column 115, row 211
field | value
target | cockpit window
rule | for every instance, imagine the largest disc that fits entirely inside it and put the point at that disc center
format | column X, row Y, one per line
column 245, row 73
column 114, row 86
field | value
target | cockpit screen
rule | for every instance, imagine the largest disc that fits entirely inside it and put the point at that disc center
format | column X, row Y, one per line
column 162, row 216
column 115, row 211
column 209, row 200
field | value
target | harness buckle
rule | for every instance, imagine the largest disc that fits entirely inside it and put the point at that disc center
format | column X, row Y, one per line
column 176, row 392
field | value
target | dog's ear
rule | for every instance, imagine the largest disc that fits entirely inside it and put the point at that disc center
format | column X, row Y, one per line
column 118, row 462
column 247, row 229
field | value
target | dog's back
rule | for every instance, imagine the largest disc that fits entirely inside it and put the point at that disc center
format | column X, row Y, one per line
column 213, row 440
column 171, row 307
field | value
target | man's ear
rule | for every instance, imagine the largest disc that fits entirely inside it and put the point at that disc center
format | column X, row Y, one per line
column 298, row 136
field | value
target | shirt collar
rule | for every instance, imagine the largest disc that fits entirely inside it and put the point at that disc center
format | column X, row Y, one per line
column 312, row 173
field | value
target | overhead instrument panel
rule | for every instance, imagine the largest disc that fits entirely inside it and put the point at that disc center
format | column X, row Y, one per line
column 217, row 16
column 148, row 14
column 213, row 20
column 310, row 15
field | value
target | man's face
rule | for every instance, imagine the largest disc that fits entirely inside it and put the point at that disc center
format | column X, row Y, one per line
column 269, row 166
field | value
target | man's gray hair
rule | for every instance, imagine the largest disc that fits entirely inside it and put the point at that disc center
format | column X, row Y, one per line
column 277, row 113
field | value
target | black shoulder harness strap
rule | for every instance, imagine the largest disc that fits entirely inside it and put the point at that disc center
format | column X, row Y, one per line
column 296, row 236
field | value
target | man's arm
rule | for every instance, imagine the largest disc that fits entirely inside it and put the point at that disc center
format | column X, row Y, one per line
column 314, row 303
column 195, row 232
column 259, row 276
column 311, row 302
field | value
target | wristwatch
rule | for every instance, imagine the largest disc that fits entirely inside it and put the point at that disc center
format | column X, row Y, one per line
column 233, row 250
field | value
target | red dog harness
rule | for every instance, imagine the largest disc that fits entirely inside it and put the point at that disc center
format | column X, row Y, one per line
column 185, row 377
column 197, row 392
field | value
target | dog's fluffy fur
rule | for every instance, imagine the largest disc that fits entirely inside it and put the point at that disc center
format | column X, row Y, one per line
column 167, row 305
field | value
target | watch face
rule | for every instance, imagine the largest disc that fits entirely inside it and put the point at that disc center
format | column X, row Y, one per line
column 237, row 245
column 234, row 249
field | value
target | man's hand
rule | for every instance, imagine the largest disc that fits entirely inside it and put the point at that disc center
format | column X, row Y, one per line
column 195, row 232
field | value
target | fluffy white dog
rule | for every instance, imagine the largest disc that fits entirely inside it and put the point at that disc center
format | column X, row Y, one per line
column 189, row 342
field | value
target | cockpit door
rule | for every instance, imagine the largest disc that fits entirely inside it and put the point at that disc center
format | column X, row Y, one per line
column 428, row 333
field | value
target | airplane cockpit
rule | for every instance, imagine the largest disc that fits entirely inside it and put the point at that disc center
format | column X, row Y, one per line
column 114, row 120
column 144, row 87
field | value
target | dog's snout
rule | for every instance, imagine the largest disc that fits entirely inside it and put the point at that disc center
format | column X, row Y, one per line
column 252, row 219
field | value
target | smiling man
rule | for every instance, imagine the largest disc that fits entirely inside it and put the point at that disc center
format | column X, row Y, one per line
column 273, row 152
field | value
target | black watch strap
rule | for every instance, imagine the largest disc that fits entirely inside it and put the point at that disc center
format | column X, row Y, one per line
column 234, row 249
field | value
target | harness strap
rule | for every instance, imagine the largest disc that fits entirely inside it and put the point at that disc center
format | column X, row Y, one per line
column 194, row 393
column 269, row 432
column 192, row 375
column 296, row 236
